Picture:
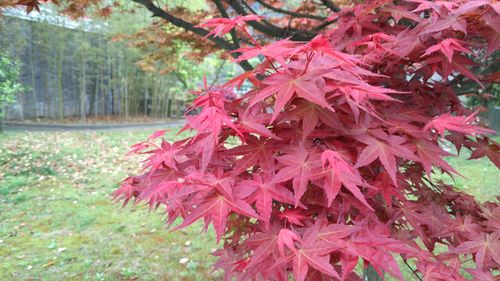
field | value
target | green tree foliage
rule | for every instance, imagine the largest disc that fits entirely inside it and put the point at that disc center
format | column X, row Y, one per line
column 9, row 85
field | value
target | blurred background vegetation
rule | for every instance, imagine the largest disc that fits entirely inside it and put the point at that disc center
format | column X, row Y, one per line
column 101, row 67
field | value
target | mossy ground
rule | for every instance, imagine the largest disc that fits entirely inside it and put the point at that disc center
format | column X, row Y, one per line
column 58, row 222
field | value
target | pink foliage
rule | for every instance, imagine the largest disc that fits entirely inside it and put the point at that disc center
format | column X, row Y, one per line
column 328, row 159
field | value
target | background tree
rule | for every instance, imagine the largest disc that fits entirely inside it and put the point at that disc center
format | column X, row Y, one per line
column 13, row 43
column 116, row 67
column 9, row 83
column 176, row 24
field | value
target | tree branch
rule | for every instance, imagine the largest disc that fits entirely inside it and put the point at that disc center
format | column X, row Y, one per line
column 290, row 13
column 157, row 12
column 224, row 13
column 411, row 268
column 179, row 77
column 324, row 25
column 249, row 7
column 217, row 74
column 330, row 5
column 272, row 30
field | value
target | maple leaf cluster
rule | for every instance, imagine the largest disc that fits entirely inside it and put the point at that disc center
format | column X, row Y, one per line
column 329, row 159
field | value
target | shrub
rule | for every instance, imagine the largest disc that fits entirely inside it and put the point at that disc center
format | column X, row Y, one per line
column 336, row 147
column 9, row 86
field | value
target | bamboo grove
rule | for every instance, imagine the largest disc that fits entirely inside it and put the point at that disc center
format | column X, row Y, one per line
column 82, row 72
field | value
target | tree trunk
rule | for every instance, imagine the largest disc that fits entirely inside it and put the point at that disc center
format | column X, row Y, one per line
column 109, row 85
column 156, row 99
column 33, row 77
column 118, row 94
column 59, row 81
column 95, row 96
column 92, row 98
column 104, row 88
column 168, row 102
column 146, row 97
column 20, row 100
column 83, row 91
column 45, row 82
column 126, row 96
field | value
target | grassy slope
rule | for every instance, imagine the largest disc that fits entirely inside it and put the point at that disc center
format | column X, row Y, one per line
column 57, row 221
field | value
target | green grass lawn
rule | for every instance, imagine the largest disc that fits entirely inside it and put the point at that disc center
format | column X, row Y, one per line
column 480, row 177
column 57, row 220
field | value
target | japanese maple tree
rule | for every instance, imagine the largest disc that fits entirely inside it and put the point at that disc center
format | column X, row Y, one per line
column 329, row 159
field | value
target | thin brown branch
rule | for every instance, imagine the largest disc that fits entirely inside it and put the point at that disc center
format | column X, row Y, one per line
column 253, row 11
column 272, row 30
column 411, row 268
column 290, row 13
column 224, row 13
column 330, row 5
column 158, row 12
column 324, row 25
column 217, row 74
column 179, row 77
column 249, row 7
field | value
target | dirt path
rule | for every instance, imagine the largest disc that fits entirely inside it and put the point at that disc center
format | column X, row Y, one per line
column 13, row 126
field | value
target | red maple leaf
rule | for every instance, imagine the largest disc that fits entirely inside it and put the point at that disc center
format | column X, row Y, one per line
column 221, row 26
column 385, row 148
column 471, row 5
column 294, row 216
column 309, row 86
column 460, row 124
column 430, row 154
column 256, row 151
column 299, row 164
column 252, row 121
column 448, row 47
column 310, row 253
column 277, row 50
column 486, row 147
column 216, row 209
column 163, row 155
column 265, row 192
column 485, row 248
column 337, row 172
column 311, row 114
